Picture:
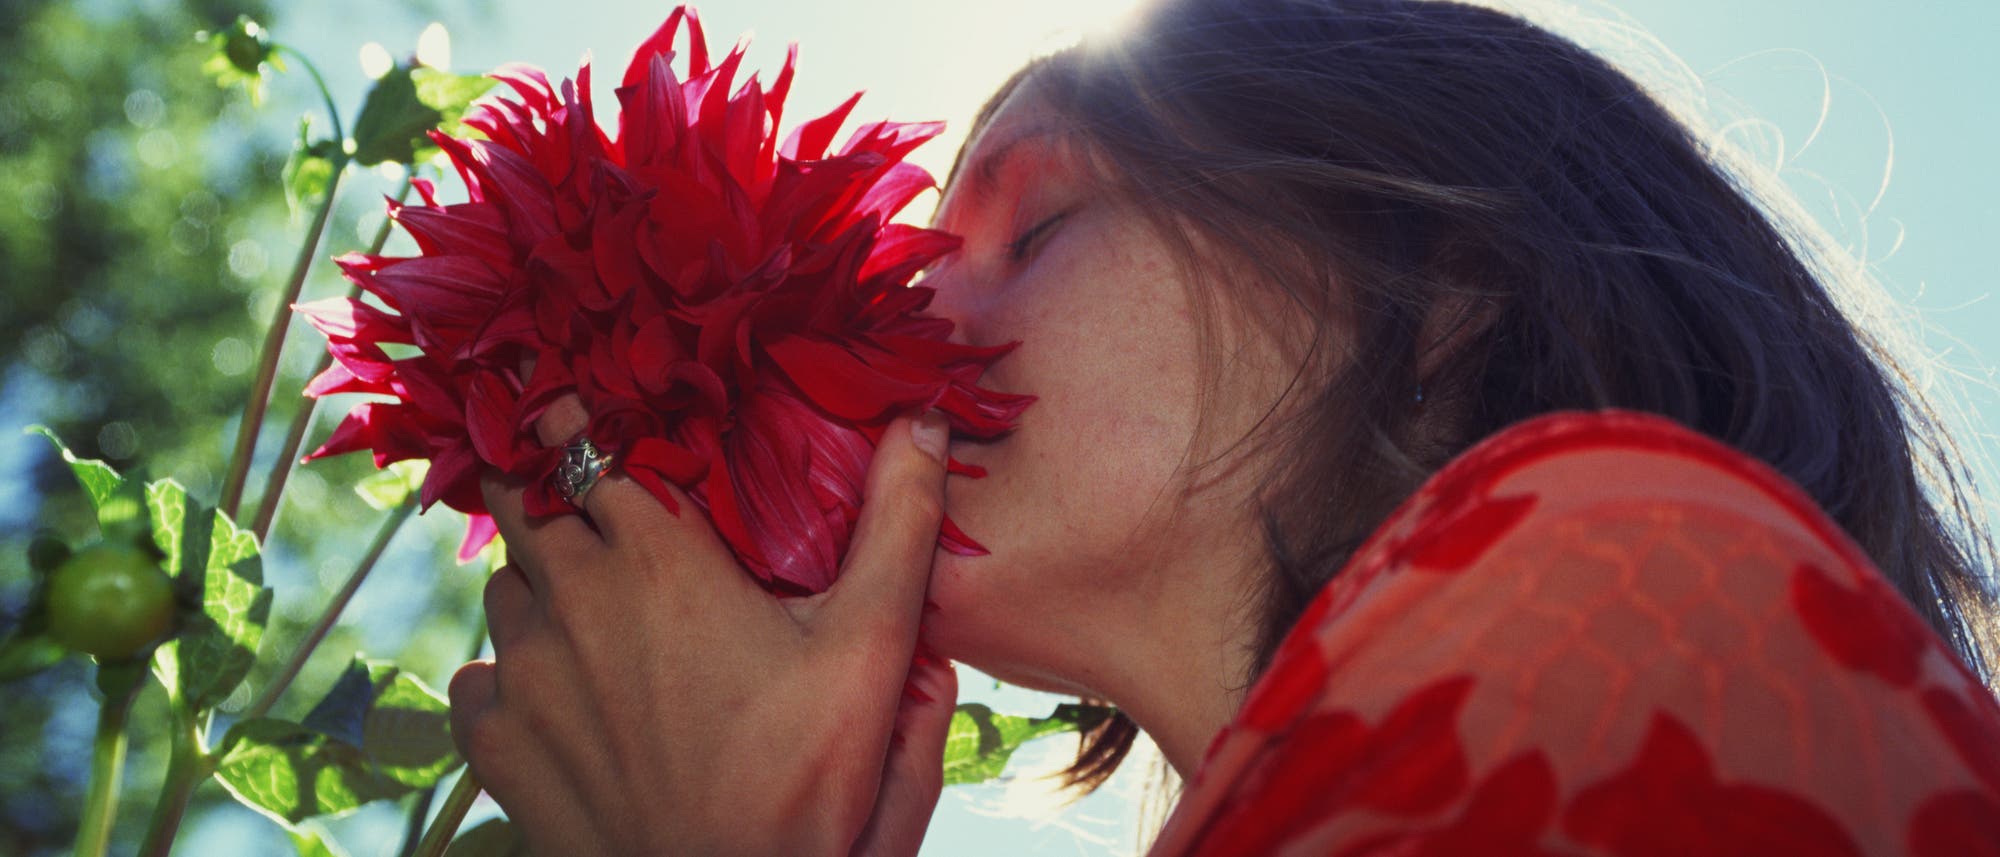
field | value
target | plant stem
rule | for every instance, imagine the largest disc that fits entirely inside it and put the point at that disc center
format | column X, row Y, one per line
column 187, row 766
column 334, row 608
column 274, row 343
column 121, row 684
column 445, row 826
column 326, row 95
column 295, row 435
column 420, row 810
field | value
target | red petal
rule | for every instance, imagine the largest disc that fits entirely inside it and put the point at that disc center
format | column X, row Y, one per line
column 901, row 250
column 954, row 540
column 808, row 142
column 452, row 470
column 1956, row 824
column 837, row 380
column 491, row 420
column 479, row 532
column 671, row 461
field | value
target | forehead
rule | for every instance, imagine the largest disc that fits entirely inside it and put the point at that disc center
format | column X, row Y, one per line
column 1023, row 133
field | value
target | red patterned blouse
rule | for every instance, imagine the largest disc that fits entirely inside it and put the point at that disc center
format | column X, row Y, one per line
column 1604, row 634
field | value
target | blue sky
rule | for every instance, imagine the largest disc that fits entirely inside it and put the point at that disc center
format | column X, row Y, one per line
column 1906, row 88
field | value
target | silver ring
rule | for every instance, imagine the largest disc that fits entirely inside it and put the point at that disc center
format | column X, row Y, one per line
column 582, row 463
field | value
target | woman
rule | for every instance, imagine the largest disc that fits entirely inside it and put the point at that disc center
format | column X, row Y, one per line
column 1274, row 265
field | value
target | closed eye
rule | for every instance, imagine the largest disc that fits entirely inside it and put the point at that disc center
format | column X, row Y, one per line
column 1018, row 249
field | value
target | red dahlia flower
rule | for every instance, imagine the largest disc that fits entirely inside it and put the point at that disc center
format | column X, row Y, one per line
column 733, row 312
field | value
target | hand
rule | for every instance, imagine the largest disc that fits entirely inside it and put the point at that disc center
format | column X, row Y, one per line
column 646, row 697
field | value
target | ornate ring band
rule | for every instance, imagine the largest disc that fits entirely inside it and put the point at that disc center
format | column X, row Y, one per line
column 582, row 463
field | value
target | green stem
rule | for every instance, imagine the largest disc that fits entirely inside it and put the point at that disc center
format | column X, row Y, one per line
column 187, row 766
column 326, row 95
column 121, row 684
column 332, row 613
column 413, row 830
column 295, row 435
column 449, row 816
column 274, row 343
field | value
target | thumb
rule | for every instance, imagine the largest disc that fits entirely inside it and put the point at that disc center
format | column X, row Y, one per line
column 881, row 585
column 913, row 775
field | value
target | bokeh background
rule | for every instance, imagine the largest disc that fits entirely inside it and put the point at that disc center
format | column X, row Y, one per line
column 143, row 236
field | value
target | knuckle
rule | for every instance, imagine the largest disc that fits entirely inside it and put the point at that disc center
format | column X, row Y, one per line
column 573, row 616
column 920, row 504
column 486, row 738
column 492, row 597
column 652, row 555
column 525, row 670
column 564, row 419
column 470, row 684
column 542, row 721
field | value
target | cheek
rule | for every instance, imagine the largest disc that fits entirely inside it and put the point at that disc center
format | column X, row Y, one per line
column 1108, row 348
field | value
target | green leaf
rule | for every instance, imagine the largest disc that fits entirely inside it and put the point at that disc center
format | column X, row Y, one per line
column 184, row 530
column 392, row 121
column 379, row 734
column 218, row 644
column 387, row 488
column 494, row 837
column 23, row 655
column 343, row 712
column 183, row 538
column 309, row 170
column 291, row 773
column 311, row 843
column 979, row 742
column 99, row 480
column 450, row 95
column 408, row 733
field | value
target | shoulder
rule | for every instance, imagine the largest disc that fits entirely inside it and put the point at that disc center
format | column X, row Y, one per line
column 1598, row 631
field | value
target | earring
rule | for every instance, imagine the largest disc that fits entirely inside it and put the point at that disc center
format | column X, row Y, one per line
column 1420, row 394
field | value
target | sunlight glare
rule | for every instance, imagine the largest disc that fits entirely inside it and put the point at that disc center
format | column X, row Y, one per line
column 375, row 60
column 434, row 47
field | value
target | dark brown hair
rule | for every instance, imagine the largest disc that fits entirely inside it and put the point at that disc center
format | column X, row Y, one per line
column 1501, row 220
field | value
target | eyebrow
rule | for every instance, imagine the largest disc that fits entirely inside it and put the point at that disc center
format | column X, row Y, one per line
column 986, row 171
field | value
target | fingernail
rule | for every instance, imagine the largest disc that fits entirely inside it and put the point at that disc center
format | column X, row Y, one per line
column 928, row 433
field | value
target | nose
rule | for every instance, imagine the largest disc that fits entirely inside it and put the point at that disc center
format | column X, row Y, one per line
column 950, row 300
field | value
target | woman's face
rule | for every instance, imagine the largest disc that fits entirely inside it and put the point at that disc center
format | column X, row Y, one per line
column 1097, row 539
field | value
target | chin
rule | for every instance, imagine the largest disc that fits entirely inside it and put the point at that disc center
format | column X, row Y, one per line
column 957, row 621
column 975, row 623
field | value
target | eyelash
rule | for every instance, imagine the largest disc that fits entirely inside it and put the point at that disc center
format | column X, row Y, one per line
column 1017, row 250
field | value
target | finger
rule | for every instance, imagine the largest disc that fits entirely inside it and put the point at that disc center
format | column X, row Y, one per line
column 913, row 775
column 562, row 421
column 472, row 692
column 655, row 523
column 626, row 513
column 879, row 595
column 510, row 607
column 533, row 543
column 513, row 768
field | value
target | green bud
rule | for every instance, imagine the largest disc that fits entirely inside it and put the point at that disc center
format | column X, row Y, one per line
column 247, row 45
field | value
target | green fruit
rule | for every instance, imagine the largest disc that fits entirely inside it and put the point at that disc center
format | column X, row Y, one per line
column 110, row 601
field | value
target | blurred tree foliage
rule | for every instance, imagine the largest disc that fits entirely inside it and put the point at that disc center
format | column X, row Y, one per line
column 143, row 239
